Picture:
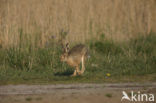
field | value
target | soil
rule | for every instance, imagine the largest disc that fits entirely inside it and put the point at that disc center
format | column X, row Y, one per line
column 73, row 93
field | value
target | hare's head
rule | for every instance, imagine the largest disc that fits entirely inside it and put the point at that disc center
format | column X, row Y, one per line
column 64, row 56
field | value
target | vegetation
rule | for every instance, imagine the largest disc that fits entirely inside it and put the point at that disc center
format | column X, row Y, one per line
column 124, row 62
column 28, row 99
column 120, row 35
column 108, row 95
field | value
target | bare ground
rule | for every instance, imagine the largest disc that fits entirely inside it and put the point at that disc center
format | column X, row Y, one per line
column 72, row 93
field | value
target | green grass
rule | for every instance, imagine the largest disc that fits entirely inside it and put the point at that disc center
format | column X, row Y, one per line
column 132, row 61
column 28, row 99
column 109, row 95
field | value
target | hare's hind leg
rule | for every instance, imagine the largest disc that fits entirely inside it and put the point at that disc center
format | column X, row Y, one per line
column 83, row 65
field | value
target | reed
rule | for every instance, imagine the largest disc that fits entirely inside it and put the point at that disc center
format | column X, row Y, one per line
column 35, row 21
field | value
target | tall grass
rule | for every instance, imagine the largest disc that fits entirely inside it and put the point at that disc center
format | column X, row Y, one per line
column 38, row 20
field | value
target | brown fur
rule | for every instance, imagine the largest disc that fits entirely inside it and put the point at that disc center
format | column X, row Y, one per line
column 74, row 57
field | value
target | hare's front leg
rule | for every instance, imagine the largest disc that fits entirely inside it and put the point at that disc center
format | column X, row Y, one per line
column 78, row 70
column 74, row 74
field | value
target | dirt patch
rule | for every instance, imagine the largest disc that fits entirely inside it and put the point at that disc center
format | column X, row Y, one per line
column 72, row 93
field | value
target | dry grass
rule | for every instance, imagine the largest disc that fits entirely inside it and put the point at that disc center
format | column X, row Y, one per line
column 35, row 21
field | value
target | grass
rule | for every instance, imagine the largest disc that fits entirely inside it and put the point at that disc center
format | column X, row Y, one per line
column 28, row 99
column 109, row 95
column 131, row 61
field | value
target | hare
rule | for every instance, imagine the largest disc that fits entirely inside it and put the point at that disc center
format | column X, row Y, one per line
column 74, row 57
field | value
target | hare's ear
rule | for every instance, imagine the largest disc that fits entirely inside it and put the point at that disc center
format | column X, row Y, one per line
column 67, row 47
